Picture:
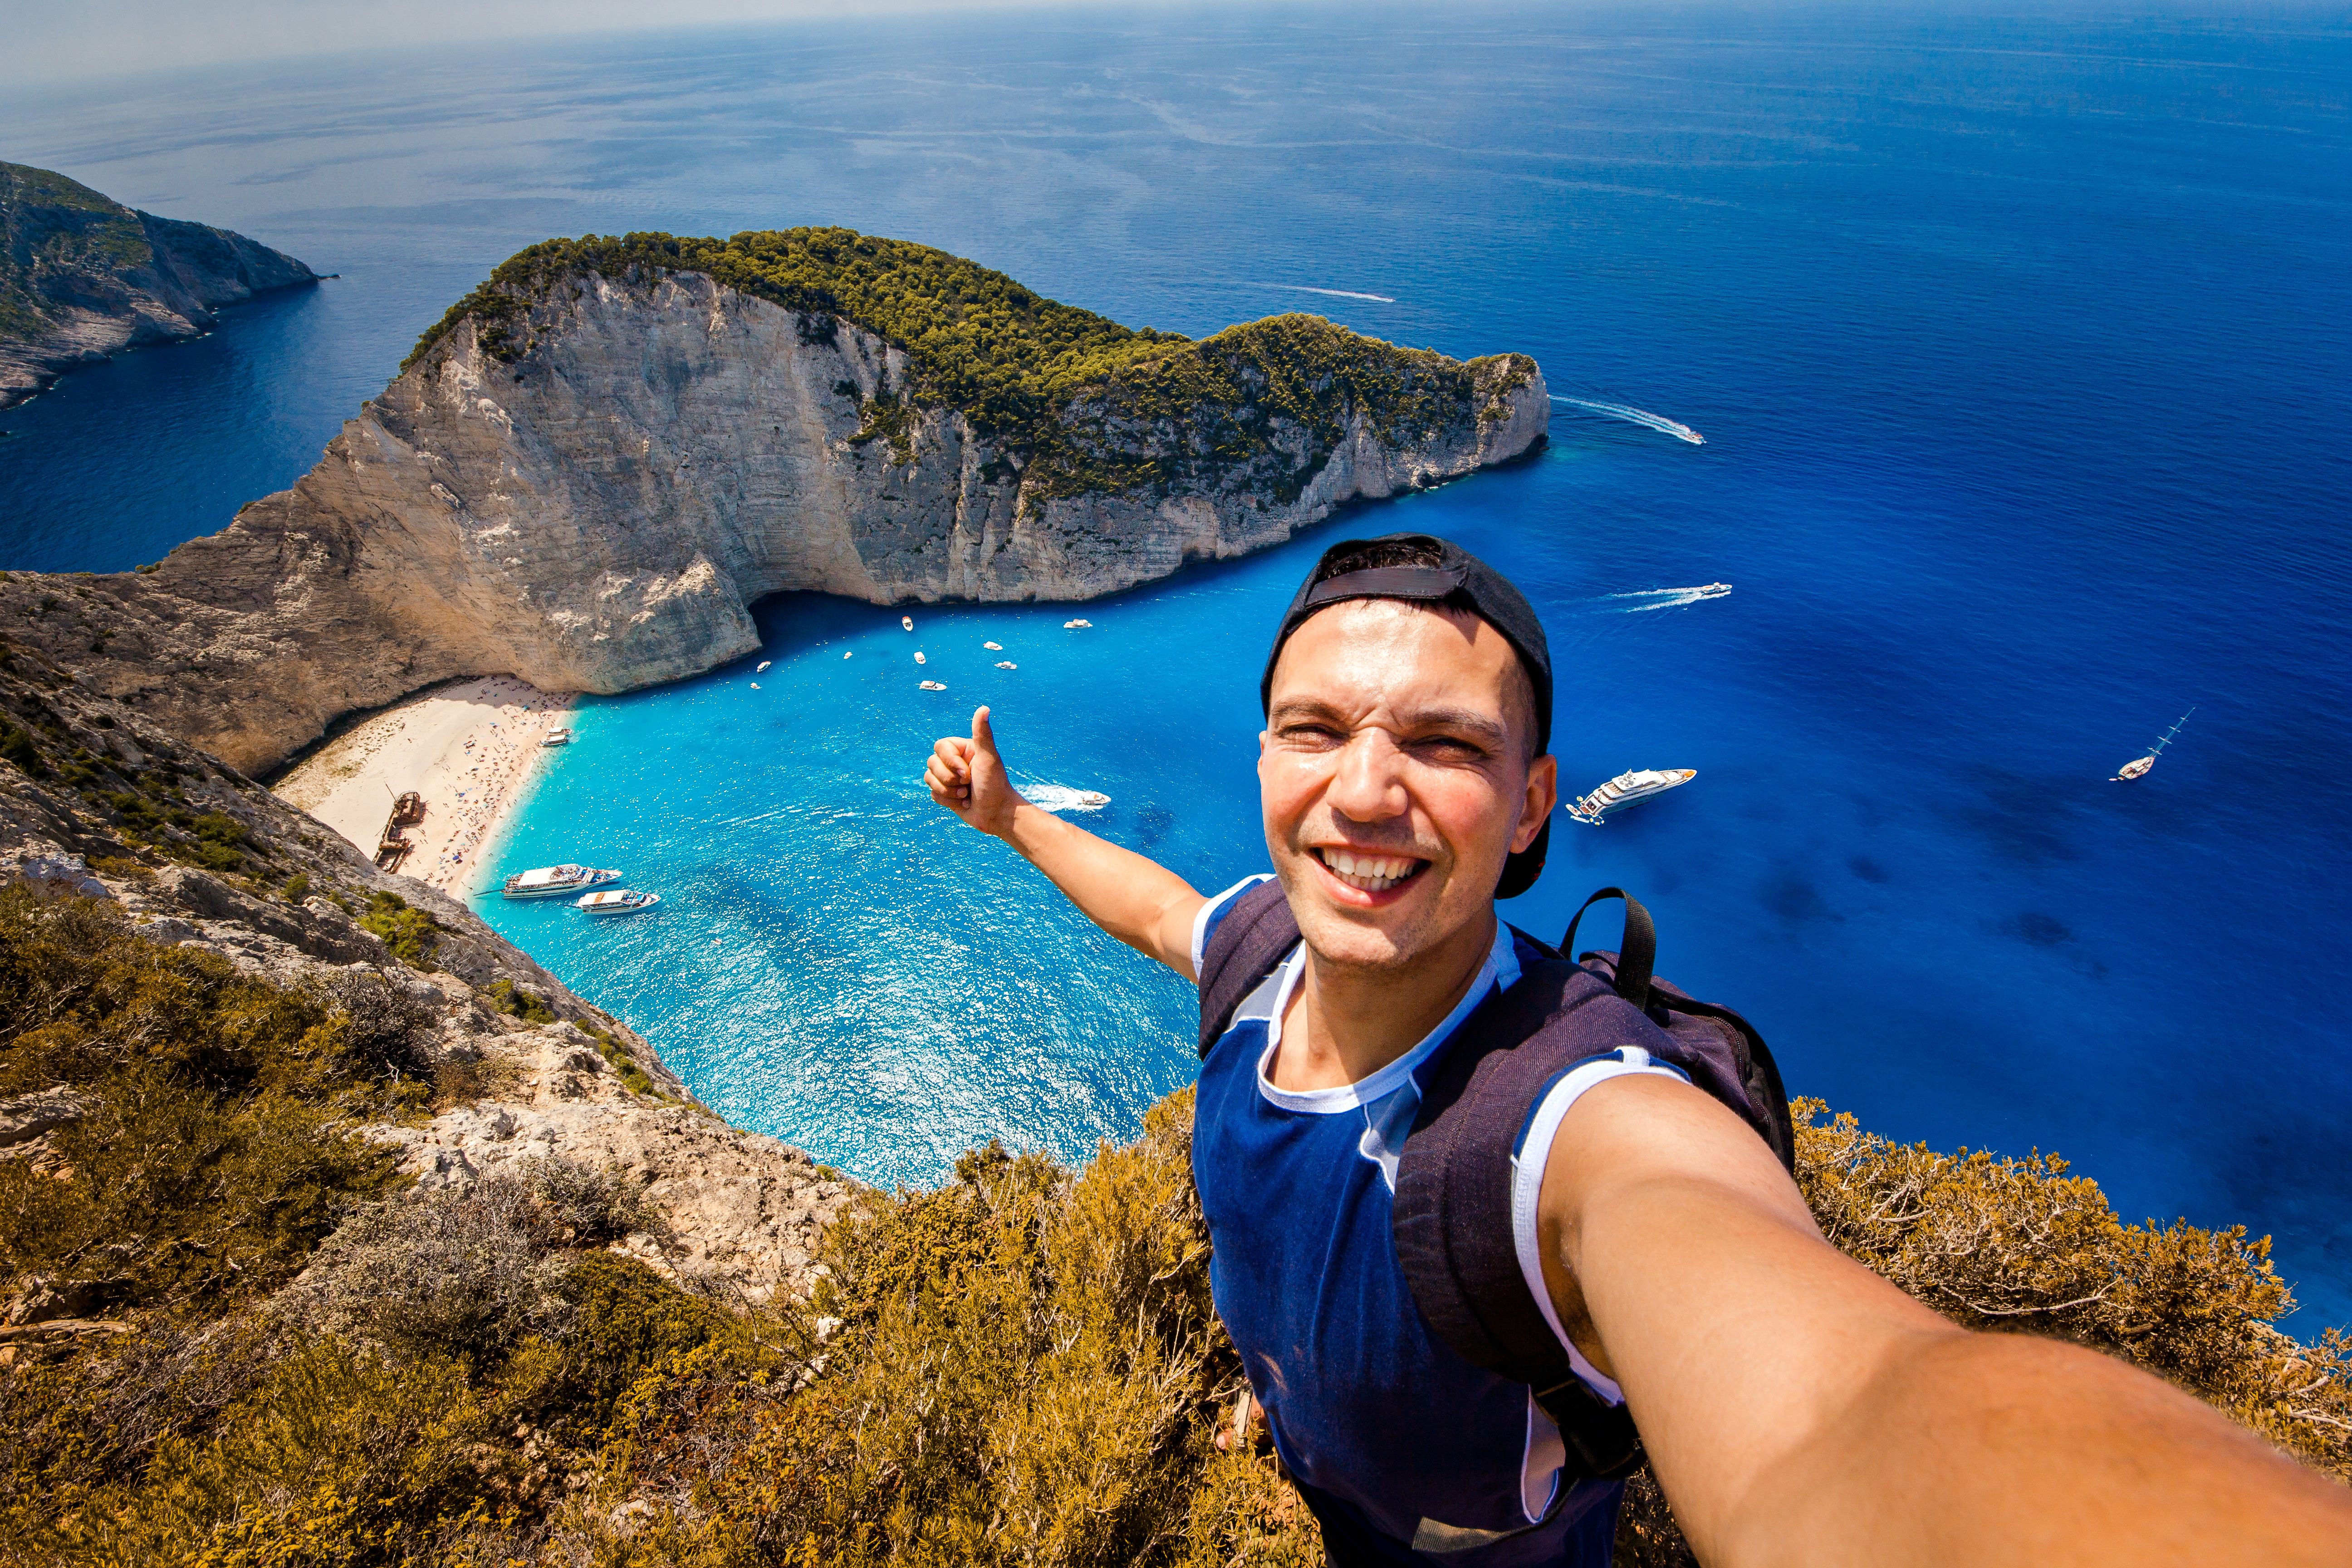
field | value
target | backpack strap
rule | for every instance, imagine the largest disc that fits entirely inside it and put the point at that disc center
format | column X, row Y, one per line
column 1453, row 1207
column 1248, row 940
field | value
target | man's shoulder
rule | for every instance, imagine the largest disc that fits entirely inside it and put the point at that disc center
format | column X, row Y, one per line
column 1213, row 914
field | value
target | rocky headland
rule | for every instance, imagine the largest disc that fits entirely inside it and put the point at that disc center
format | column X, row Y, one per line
column 83, row 277
column 592, row 467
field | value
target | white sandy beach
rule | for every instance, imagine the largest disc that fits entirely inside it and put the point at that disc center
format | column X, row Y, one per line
column 469, row 749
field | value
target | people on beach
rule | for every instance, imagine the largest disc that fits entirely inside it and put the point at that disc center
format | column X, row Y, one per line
column 1793, row 1405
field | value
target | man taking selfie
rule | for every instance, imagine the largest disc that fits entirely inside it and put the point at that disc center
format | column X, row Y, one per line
column 1488, row 1224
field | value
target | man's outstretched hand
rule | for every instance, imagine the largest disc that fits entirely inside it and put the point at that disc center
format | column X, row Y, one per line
column 968, row 778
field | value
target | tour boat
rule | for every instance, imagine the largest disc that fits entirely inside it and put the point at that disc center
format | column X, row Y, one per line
column 613, row 901
column 993, row 646
column 907, row 622
column 1076, row 626
column 552, row 881
column 1006, row 664
column 556, row 737
column 1626, row 789
column 933, row 686
column 2139, row 766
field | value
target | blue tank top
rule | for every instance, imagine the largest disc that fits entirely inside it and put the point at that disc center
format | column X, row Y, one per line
column 1406, row 1452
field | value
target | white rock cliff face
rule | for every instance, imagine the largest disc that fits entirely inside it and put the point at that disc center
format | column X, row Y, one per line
column 600, row 515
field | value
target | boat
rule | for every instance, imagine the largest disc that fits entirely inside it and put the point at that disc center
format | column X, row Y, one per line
column 1006, row 664
column 408, row 809
column 2137, row 768
column 993, row 646
column 845, row 652
column 907, row 622
column 1093, row 799
column 755, row 686
column 920, row 658
column 762, row 667
column 1077, row 625
column 1627, row 789
column 556, row 737
column 615, row 902
column 554, row 881
column 933, row 686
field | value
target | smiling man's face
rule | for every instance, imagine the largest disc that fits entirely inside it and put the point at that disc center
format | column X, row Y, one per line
column 1395, row 777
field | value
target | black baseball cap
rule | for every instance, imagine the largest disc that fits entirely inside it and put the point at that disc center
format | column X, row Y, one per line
column 1456, row 578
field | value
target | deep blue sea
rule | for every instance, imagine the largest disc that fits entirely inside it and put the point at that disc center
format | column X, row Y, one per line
column 2021, row 351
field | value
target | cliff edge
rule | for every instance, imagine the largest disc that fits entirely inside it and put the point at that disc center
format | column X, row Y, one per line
column 83, row 277
column 599, row 459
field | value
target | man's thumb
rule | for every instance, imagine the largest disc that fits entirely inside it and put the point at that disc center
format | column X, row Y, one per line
column 983, row 736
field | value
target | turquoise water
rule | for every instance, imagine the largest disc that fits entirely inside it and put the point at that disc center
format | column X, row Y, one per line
column 2018, row 347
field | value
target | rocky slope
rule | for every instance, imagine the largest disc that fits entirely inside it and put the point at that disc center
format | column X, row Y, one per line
column 83, row 276
column 96, row 801
column 590, row 471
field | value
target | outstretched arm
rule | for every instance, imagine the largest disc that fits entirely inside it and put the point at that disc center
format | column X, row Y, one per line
column 1798, row 1409
column 1139, row 901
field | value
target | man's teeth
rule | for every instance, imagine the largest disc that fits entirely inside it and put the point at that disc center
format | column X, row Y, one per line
column 1368, row 873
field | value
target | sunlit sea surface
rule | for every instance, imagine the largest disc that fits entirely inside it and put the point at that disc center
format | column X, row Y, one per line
column 2019, row 349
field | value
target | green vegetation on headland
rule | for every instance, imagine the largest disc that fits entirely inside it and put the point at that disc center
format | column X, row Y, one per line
column 1022, row 1366
column 1082, row 403
column 51, row 227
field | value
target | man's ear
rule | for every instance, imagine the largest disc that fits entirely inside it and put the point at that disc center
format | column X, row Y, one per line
column 1542, row 795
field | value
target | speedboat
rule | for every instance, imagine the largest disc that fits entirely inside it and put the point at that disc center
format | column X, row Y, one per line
column 1627, row 789
column 554, row 881
column 933, row 686
column 558, row 737
column 613, row 901
column 1006, row 664
column 1093, row 799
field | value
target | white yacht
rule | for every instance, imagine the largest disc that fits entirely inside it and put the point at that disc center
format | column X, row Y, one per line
column 934, row 686
column 1626, row 789
column 2137, row 768
column 993, row 646
column 556, row 737
column 1006, row 664
column 613, row 901
column 1077, row 626
column 907, row 622
column 920, row 658
column 763, row 669
column 554, row 881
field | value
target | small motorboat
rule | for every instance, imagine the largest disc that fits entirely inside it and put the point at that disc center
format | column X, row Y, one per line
column 613, row 901
column 920, row 658
column 2137, row 768
column 1006, row 664
column 993, row 646
column 1077, row 626
column 554, row 881
column 845, row 652
column 934, row 686
column 755, row 686
column 907, row 622
column 1628, row 789
column 762, row 668
column 1093, row 799
column 556, row 737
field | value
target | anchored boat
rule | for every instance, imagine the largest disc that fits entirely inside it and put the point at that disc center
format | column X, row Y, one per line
column 613, row 901
column 554, row 881
column 556, row 738
column 2138, row 767
column 1628, row 789
column 933, row 686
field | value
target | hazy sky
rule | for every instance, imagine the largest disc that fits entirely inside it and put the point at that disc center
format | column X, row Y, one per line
column 62, row 41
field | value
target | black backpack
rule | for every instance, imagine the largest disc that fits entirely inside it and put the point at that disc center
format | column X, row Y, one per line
column 1452, row 1209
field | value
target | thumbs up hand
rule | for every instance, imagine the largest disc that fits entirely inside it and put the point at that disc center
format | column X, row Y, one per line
column 968, row 778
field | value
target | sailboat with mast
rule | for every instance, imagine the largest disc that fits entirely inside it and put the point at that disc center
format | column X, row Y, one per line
column 2139, row 766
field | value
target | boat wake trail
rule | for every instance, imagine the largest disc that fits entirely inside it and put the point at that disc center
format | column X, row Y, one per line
column 1666, row 598
column 1057, row 797
column 1335, row 293
column 1634, row 415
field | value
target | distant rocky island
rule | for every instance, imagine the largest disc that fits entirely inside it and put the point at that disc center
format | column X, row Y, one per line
column 83, row 277
column 593, row 465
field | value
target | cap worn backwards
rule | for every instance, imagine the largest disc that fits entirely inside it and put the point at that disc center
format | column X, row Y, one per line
column 1459, row 579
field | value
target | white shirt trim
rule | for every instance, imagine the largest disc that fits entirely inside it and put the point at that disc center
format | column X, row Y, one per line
column 1384, row 1081
column 1217, row 901
column 1527, row 1187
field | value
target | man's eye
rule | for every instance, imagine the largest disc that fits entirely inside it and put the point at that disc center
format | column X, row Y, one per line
column 1312, row 734
column 1450, row 748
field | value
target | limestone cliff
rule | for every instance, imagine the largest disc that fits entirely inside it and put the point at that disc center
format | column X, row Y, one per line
column 587, row 475
column 83, row 276
column 95, row 801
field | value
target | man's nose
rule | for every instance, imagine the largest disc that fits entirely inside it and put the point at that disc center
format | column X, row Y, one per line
column 1369, row 785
